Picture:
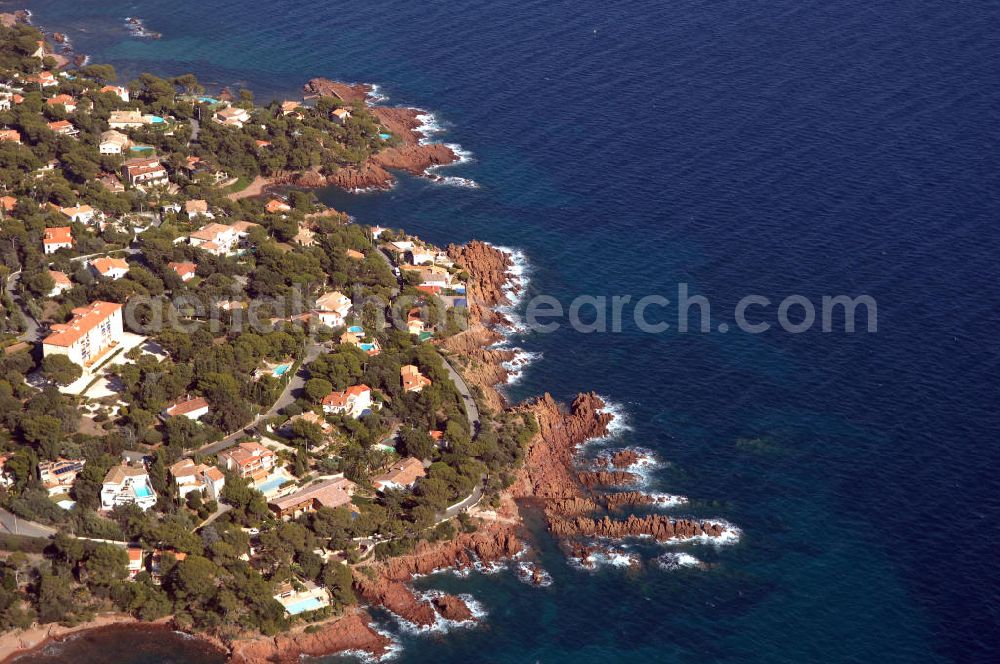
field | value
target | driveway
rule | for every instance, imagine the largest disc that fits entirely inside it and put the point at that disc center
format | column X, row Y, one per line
column 286, row 397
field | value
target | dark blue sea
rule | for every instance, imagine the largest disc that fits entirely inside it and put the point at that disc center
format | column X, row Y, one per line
column 788, row 147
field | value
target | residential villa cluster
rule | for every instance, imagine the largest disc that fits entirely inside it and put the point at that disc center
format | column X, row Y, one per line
column 325, row 417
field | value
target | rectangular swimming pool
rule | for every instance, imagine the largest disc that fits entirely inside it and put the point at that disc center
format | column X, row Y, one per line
column 308, row 604
column 143, row 492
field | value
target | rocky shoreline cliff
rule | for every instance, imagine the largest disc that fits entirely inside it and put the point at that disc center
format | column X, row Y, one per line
column 549, row 474
column 351, row 632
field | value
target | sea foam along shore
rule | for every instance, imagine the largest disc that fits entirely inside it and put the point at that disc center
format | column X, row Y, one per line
column 512, row 324
column 673, row 561
column 429, row 128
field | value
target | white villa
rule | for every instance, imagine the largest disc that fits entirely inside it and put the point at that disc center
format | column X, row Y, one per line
column 193, row 408
column 189, row 476
column 249, row 460
column 118, row 90
column 113, row 142
column 56, row 238
column 109, row 268
column 61, row 283
column 125, row 485
column 332, row 308
column 220, row 239
column 144, row 170
column 309, row 598
column 353, row 401
column 232, row 116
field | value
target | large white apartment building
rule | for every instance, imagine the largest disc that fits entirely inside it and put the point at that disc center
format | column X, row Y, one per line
column 88, row 336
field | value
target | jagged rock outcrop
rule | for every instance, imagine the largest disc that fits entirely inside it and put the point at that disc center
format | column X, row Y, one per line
column 593, row 478
column 386, row 586
column 572, row 506
column 366, row 176
column 659, row 527
column 400, row 121
column 491, row 543
column 414, row 159
column 584, row 553
column 348, row 92
column 350, row 632
column 489, row 271
column 620, row 459
column 547, row 471
column 309, row 179
column 614, row 501
column 452, row 608
column 395, row 597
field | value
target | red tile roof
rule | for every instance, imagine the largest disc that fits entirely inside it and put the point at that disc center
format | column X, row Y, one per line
column 58, row 235
column 84, row 320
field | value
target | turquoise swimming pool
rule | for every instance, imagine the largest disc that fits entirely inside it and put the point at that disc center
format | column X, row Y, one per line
column 310, row 604
column 143, row 492
column 270, row 485
column 208, row 100
column 366, row 347
column 281, row 370
column 385, row 137
column 356, row 329
column 156, row 119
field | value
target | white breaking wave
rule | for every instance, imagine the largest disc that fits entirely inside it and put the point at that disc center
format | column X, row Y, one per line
column 618, row 425
column 452, row 180
column 464, row 156
column 672, row 561
column 441, row 624
column 516, row 288
column 428, row 125
column 392, row 651
column 730, row 535
column 372, row 190
column 516, row 366
column 667, row 500
column 607, row 557
column 533, row 575
column 376, row 96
